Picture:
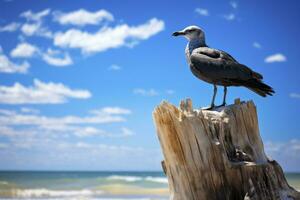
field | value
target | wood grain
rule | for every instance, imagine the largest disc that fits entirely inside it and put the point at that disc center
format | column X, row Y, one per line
column 217, row 155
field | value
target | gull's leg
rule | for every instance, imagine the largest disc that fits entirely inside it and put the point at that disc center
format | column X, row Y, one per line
column 212, row 105
column 224, row 97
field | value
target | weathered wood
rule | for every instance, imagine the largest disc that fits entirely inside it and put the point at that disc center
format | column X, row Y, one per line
column 217, row 155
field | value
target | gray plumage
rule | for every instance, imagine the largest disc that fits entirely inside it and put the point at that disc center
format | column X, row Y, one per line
column 218, row 67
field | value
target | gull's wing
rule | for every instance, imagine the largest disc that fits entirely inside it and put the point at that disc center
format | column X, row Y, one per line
column 220, row 66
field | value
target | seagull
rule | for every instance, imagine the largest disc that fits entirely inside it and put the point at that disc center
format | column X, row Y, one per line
column 218, row 67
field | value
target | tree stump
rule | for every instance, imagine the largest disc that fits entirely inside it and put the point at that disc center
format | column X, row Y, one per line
column 217, row 155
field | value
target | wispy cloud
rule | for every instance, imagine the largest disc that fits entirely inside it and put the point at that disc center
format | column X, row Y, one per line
column 80, row 155
column 24, row 50
column 125, row 132
column 295, row 95
column 31, row 16
column 33, row 123
column 3, row 145
column 278, row 57
column 202, row 11
column 292, row 147
column 170, row 92
column 232, row 15
column 51, row 57
column 10, row 27
column 97, row 116
column 144, row 92
column 92, row 131
column 257, row 45
column 229, row 17
column 29, row 110
column 112, row 111
column 234, row 4
column 107, row 38
column 115, row 67
column 286, row 153
column 56, row 58
column 151, row 92
column 34, row 25
column 40, row 93
column 31, row 29
column 83, row 17
column 7, row 66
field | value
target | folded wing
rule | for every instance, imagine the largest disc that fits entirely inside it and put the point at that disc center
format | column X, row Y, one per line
column 223, row 69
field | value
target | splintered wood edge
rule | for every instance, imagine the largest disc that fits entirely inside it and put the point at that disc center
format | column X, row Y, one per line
column 186, row 106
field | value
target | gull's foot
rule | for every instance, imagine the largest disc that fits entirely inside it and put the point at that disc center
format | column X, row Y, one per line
column 223, row 104
column 209, row 107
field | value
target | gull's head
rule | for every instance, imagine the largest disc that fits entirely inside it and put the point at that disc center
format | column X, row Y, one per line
column 191, row 33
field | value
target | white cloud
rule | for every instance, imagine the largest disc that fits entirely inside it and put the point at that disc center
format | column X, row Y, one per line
column 99, row 116
column 31, row 29
column 125, row 132
column 24, row 50
column 3, row 145
column 112, row 111
column 51, row 57
column 295, row 95
column 202, row 11
column 83, row 17
column 107, row 37
column 40, row 93
column 278, row 57
column 257, row 45
column 30, row 16
column 92, row 131
column 89, row 131
column 34, row 124
column 10, row 27
column 115, row 67
column 7, row 112
column 78, row 155
column 143, row 92
column 34, row 26
column 29, row 110
column 62, row 139
column 234, row 4
column 7, row 66
column 170, row 92
column 230, row 17
column 286, row 153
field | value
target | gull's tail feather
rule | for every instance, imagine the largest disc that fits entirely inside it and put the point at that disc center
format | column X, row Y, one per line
column 259, row 87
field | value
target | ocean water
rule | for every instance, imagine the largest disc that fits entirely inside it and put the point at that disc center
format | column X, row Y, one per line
column 83, row 185
column 91, row 185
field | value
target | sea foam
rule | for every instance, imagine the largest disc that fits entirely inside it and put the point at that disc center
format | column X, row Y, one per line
column 157, row 179
column 125, row 178
column 42, row 192
column 139, row 178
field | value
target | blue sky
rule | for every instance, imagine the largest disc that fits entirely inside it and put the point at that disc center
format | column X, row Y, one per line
column 79, row 79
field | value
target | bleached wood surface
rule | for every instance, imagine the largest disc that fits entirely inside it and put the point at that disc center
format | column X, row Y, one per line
column 217, row 155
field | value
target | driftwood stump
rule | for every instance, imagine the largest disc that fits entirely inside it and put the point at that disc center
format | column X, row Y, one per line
column 217, row 155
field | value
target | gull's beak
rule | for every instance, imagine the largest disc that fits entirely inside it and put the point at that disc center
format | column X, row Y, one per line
column 178, row 33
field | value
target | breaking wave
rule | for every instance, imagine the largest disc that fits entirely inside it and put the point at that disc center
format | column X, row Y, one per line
column 3, row 183
column 157, row 179
column 125, row 178
column 42, row 192
column 139, row 178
